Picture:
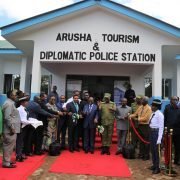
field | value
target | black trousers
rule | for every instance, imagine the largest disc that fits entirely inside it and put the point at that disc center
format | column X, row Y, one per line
column 73, row 136
column 176, row 141
column 144, row 149
column 154, row 148
column 20, row 141
column 28, row 139
column 61, row 131
column 89, row 138
column 80, row 131
column 38, row 138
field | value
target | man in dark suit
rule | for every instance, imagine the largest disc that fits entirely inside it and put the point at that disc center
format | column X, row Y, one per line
column 73, row 110
column 129, row 94
column 53, row 93
column 62, row 123
column 35, row 110
column 90, row 112
column 172, row 121
column 81, row 122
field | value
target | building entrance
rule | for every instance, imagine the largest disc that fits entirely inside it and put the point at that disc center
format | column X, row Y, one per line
column 96, row 85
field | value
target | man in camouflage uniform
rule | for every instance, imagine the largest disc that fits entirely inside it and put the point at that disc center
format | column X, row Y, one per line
column 107, row 109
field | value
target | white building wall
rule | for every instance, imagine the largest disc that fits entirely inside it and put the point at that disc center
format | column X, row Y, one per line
column 60, row 71
column 96, row 21
column 1, row 76
column 12, row 66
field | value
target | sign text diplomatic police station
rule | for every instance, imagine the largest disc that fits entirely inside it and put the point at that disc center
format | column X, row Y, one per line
column 96, row 53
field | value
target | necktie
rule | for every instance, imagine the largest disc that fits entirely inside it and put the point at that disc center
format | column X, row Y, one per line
column 27, row 113
column 77, row 107
column 90, row 107
column 151, row 118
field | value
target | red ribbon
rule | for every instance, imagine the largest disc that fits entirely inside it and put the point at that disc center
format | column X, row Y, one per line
column 166, row 149
column 137, row 133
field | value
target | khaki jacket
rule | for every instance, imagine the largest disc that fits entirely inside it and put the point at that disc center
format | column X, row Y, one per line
column 11, row 117
column 143, row 113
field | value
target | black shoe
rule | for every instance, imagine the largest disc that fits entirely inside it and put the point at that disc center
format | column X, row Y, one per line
column 77, row 149
column 13, row 162
column 118, row 152
column 10, row 166
column 177, row 163
column 140, row 156
column 145, row 158
column 152, row 168
column 39, row 153
column 86, row 151
column 79, row 146
column 19, row 159
column 63, row 148
column 71, row 150
column 45, row 151
column 156, row 171
column 103, row 150
column 92, row 151
column 24, row 157
column 108, row 151
column 29, row 154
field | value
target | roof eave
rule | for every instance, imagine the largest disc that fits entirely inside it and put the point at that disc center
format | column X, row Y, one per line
column 138, row 16
column 11, row 28
column 11, row 51
column 143, row 18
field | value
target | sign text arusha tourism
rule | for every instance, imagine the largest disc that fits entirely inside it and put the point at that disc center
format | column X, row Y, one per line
column 96, row 54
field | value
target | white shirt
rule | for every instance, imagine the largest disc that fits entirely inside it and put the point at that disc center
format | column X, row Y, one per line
column 23, row 115
column 68, row 101
column 157, row 121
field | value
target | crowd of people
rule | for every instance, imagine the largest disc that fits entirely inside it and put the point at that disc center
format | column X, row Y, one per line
column 80, row 118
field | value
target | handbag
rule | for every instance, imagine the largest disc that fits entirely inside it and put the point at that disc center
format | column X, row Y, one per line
column 55, row 147
column 128, row 151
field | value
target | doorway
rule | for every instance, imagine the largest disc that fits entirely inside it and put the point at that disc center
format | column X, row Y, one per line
column 95, row 85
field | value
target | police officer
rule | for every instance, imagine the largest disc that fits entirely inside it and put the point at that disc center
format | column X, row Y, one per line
column 107, row 109
column 156, row 124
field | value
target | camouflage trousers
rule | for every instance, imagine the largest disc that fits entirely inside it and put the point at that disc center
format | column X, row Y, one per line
column 107, row 135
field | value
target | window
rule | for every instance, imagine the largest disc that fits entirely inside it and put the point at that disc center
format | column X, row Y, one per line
column 11, row 82
column 45, row 83
column 166, row 87
column 148, row 86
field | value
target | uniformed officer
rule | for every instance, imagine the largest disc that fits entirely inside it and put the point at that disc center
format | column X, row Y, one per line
column 156, row 124
column 107, row 109
column 22, row 136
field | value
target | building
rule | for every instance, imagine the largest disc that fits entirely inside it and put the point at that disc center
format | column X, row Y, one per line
column 94, row 45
